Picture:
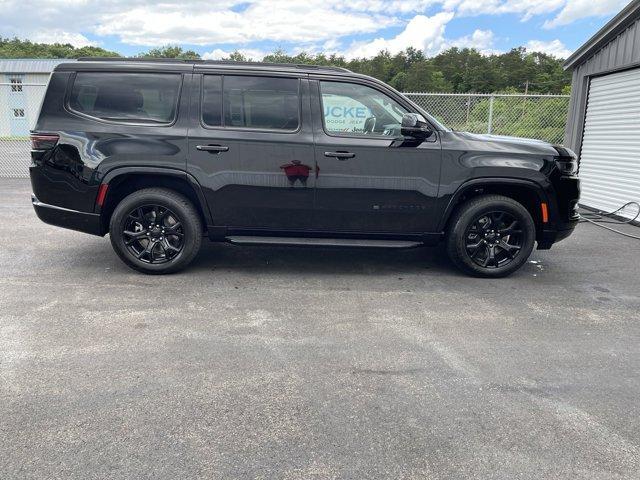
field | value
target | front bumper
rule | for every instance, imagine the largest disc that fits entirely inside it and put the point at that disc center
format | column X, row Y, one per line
column 562, row 229
column 66, row 218
column 564, row 205
column 549, row 237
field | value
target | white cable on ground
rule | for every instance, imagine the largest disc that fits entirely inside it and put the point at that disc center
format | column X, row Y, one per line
column 597, row 219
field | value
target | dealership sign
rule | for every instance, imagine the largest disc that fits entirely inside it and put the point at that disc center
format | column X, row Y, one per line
column 342, row 114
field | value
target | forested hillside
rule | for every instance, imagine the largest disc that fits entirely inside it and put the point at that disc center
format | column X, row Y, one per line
column 454, row 70
column 16, row 48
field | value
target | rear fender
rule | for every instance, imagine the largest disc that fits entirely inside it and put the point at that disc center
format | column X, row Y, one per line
column 116, row 173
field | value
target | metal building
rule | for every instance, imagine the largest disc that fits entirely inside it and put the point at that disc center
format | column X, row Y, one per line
column 603, row 127
column 22, row 83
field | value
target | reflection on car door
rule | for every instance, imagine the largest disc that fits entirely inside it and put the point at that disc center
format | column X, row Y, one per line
column 364, row 183
column 251, row 149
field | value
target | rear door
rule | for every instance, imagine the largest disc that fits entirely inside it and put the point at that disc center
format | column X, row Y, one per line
column 366, row 181
column 251, row 149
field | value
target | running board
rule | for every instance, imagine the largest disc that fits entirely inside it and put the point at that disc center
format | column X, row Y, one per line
column 321, row 242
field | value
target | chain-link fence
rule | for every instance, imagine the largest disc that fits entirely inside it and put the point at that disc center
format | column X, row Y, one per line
column 533, row 116
column 19, row 106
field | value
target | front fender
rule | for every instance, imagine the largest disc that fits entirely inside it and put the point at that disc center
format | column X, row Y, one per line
column 478, row 183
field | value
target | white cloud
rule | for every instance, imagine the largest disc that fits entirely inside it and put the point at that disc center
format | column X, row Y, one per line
column 315, row 20
column 387, row 6
column 59, row 36
column 525, row 8
column 428, row 35
column 553, row 47
column 577, row 9
column 312, row 25
column 481, row 40
column 569, row 10
column 216, row 54
column 330, row 46
column 250, row 53
column 422, row 32
column 202, row 22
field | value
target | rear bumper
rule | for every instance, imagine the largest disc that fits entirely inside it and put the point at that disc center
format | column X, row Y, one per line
column 66, row 218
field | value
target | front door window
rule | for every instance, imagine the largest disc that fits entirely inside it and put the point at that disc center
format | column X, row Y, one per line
column 352, row 110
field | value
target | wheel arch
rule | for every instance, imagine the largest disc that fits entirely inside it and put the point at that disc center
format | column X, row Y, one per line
column 528, row 193
column 126, row 180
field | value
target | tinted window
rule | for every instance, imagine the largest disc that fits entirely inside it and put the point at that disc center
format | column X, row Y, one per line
column 212, row 100
column 126, row 97
column 355, row 109
column 261, row 102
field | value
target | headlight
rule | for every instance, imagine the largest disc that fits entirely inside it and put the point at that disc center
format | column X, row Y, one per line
column 567, row 166
column 566, row 161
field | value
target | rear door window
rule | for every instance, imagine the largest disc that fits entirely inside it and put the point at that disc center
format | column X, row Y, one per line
column 212, row 100
column 257, row 103
column 127, row 97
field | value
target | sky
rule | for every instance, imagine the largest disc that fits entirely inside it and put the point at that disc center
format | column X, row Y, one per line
column 353, row 28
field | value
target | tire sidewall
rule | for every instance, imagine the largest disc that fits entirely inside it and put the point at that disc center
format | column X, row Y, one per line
column 179, row 206
column 457, row 239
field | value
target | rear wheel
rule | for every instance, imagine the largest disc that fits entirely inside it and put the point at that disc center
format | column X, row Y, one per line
column 491, row 236
column 156, row 230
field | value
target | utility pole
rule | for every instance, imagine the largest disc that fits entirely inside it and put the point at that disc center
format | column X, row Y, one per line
column 490, row 120
column 524, row 102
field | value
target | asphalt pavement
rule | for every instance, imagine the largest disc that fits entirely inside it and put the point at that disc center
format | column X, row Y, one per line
column 298, row 363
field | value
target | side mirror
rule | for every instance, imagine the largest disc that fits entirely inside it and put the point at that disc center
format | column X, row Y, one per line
column 414, row 125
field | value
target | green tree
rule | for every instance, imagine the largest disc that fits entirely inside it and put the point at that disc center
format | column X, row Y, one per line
column 16, row 48
column 425, row 77
column 237, row 56
column 170, row 51
column 456, row 70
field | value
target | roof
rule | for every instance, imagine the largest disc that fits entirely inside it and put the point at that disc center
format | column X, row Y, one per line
column 611, row 30
column 30, row 65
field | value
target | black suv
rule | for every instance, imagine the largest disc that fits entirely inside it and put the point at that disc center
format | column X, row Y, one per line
column 159, row 153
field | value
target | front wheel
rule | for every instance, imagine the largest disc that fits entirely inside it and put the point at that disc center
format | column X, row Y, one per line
column 491, row 236
column 156, row 231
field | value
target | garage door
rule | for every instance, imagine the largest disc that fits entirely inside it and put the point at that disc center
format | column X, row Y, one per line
column 610, row 156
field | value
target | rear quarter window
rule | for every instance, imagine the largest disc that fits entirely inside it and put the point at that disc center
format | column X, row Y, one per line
column 126, row 97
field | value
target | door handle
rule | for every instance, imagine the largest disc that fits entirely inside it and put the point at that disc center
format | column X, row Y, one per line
column 212, row 148
column 340, row 155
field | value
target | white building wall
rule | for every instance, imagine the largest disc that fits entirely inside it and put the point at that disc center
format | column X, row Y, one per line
column 13, row 103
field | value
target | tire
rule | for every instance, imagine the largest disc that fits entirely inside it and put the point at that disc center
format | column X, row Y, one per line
column 482, row 239
column 156, row 231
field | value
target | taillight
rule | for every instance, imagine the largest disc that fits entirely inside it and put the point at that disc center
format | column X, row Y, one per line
column 43, row 141
column 102, row 194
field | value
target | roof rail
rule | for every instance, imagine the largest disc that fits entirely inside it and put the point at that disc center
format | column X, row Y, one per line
column 275, row 64
column 135, row 59
column 212, row 62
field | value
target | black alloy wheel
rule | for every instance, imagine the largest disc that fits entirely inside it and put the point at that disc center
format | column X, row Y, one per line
column 494, row 239
column 153, row 234
column 156, row 230
column 490, row 236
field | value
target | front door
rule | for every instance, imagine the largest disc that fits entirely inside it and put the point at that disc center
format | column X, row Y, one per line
column 251, row 149
column 366, row 181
